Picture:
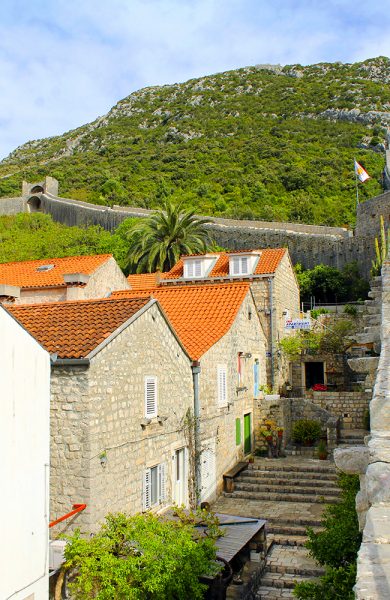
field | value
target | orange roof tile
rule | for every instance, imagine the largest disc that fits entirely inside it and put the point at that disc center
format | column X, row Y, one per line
column 268, row 263
column 143, row 281
column 200, row 314
column 74, row 329
column 24, row 274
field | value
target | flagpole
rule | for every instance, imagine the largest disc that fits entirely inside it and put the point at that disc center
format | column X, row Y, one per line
column 357, row 187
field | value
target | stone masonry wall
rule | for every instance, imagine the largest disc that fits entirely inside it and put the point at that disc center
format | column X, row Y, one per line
column 70, row 416
column 116, row 388
column 12, row 206
column 218, row 424
column 349, row 406
column 100, row 409
column 107, row 278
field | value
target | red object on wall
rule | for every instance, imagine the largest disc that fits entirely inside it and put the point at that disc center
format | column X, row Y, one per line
column 76, row 509
column 319, row 387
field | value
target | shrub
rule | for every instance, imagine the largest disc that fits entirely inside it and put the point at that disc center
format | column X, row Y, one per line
column 306, row 431
column 318, row 311
column 142, row 557
column 351, row 310
column 335, row 547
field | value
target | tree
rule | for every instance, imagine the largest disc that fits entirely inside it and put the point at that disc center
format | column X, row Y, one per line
column 157, row 242
column 143, row 557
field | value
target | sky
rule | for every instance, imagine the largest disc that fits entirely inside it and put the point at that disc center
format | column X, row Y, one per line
column 63, row 63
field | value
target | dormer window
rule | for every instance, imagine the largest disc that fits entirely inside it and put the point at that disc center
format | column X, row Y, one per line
column 197, row 267
column 239, row 265
column 243, row 263
column 193, row 268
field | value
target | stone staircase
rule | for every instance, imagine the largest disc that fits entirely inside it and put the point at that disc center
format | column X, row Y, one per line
column 287, row 492
column 352, row 437
column 275, row 481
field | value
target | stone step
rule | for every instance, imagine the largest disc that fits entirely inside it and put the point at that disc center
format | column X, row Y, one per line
column 372, row 309
column 287, row 530
column 315, row 468
column 286, row 540
column 277, row 489
column 277, row 497
column 351, row 442
column 288, row 476
column 270, row 593
column 284, row 580
column 301, row 482
column 296, row 521
column 290, row 570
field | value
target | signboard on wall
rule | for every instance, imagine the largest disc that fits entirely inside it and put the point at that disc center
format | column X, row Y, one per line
column 297, row 324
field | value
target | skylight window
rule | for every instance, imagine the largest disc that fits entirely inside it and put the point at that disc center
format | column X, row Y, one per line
column 43, row 268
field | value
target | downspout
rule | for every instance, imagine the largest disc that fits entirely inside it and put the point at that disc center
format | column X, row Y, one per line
column 195, row 367
column 271, row 329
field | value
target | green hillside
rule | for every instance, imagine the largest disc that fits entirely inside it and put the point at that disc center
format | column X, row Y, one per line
column 273, row 143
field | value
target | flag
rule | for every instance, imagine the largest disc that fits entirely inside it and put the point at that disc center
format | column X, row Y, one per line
column 361, row 173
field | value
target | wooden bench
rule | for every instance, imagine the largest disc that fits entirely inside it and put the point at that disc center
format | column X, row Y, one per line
column 228, row 478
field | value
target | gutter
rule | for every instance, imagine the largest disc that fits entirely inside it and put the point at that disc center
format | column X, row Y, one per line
column 226, row 278
column 195, row 367
column 58, row 362
column 271, row 329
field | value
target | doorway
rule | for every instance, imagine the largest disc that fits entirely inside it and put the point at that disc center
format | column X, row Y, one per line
column 314, row 373
column 180, row 477
column 247, row 433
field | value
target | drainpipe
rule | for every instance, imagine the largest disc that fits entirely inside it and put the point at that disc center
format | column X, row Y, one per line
column 271, row 328
column 195, row 367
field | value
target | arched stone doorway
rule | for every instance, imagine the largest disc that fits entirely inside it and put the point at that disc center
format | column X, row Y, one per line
column 34, row 204
column 37, row 189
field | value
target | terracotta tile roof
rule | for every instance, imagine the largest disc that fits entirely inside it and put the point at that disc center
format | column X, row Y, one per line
column 200, row 314
column 268, row 263
column 24, row 274
column 74, row 329
column 144, row 281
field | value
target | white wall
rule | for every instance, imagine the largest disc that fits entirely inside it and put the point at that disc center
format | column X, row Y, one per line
column 24, row 463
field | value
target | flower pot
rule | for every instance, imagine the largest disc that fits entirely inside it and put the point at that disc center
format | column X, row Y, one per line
column 322, row 455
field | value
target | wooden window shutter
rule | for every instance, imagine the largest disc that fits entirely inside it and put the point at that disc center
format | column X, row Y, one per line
column 162, row 486
column 150, row 397
column 238, row 432
column 244, row 265
column 146, row 490
column 236, row 265
column 222, row 385
column 198, row 268
column 190, row 268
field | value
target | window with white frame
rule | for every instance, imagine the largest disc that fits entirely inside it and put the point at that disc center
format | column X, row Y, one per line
column 154, row 486
column 193, row 268
column 150, row 397
column 239, row 265
column 222, row 385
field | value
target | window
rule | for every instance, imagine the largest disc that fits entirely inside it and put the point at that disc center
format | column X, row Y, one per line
column 154, row 488
column 239, row 265
column 43, row 268
column 150, row 397
column 222, row 385
column 193, row 268
column 238, row 432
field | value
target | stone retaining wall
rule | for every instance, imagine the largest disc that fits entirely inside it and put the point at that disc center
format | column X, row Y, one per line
column 349, row 406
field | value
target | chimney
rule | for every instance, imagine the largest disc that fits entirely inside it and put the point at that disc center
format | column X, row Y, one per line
column 9, row 293
column 75, row 284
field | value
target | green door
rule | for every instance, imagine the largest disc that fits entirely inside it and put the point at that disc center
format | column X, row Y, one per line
column 247, row 433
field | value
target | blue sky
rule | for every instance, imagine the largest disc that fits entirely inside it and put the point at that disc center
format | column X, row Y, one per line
column 65, row 62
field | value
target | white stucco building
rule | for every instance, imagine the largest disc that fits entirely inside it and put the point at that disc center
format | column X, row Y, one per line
column 24, row 465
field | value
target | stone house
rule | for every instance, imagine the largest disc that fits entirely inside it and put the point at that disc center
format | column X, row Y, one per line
column 121, row 387
column 24, row 443
column 220, row 329
column 274, row 287
column 58, row 279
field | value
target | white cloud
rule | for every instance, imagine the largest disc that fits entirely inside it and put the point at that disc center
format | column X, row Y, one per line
column 64, row 62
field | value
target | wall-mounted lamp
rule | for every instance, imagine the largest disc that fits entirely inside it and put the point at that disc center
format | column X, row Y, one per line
column 145, row 422
column 161, row 419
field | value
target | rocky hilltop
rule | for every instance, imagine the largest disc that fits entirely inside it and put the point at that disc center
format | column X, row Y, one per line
column 268, row 142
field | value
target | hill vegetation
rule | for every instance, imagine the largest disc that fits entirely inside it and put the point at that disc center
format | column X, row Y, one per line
column 264, row 142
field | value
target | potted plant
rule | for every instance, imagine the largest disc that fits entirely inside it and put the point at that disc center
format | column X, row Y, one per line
column 322, row 450
column 269, row 394
column 306, row 431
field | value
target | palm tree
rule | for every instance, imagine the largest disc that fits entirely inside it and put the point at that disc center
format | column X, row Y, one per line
column 158, row 241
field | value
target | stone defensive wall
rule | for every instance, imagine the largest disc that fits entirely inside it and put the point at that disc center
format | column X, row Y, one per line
column 308, row 244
